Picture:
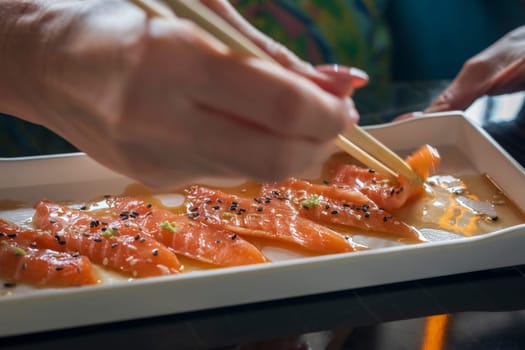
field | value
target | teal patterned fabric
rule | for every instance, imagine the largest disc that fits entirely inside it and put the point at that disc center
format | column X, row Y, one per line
column 348, row 32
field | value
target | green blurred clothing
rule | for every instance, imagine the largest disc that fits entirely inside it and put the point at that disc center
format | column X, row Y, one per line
column 352, row 33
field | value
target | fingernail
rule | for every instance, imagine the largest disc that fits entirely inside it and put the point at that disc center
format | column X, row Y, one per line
column 343, row 75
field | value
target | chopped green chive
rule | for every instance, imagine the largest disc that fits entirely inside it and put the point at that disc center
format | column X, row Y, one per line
column 169, row 226
column 110, row 232
column 312, row 201
column 19, row 251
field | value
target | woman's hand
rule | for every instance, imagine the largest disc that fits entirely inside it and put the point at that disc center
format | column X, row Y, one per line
column 164, row 102
column 497, row 70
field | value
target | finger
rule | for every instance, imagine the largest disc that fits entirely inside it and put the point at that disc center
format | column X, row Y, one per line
column 406, row 116
column 253, row 152
column 341, row 80
column 274, row 99
column 473, row 81
column 509, row 79
column 230, row 149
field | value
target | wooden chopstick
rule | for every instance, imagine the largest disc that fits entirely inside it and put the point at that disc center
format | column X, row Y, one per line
column 391, row 165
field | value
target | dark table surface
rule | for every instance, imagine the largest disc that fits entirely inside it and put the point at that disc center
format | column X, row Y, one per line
column 479, row 310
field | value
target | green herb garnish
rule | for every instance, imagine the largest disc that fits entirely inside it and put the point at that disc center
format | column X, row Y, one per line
column 110, row 232
column 227, row 214
column 19, row 251
column 312, row 201
column 170, row 226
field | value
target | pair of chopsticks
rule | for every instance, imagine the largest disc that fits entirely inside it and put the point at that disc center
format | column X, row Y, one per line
column 385, row 162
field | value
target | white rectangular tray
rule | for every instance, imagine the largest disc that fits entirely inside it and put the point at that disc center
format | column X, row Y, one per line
column 77, row 177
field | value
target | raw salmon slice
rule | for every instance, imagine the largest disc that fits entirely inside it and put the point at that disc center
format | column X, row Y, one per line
column 269, row 219
column 389, row 196
column 337, row 206
column 105, row 242
column 193, row 239
column 22, row 262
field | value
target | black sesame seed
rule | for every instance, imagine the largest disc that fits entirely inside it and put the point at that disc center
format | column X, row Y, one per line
column 148, row 205
column 327, row 206
column 134, row 214
column 335, row 212
column 367, row 214
column 365, row 207
column 61, row 242
column 59, row 268
column 218, row 241
column 267, row 200
column 94, row 223
column 216, row 207
column 260, row 208
column 392, row 192
column 193, row 215
column 33, row 244
column 9, row 285
column 137, row 237
column 75, row 254
column 98, row 240
column 114, row 245
column 11, row 235
column 2, row 234
column 258, row 200
column 234, row 236
column 83, row 207
column 85, row 234
column 326, row 182
column 219, row 200
column 194, row 209
column 52, row 221
column 155, row 252
column 142, row 240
